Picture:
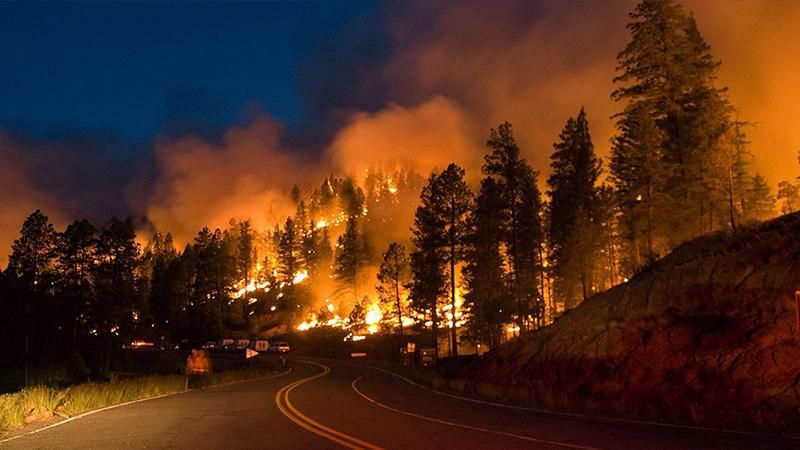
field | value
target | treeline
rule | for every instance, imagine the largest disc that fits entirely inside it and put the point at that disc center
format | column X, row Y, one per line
column 82, row 293
column 680, row 167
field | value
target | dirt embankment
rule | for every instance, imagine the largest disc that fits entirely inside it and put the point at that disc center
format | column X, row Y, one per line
column 706, row 335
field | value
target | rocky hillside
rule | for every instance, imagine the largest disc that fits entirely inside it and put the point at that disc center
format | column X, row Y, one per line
column 706, row 335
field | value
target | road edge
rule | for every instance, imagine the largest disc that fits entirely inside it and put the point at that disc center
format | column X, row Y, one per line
column 615, row 420
column 139, row 400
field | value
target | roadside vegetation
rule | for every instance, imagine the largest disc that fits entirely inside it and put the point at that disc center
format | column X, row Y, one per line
column 42, row 402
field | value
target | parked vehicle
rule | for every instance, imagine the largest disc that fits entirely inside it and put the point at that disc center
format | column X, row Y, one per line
column 260, row 345
column 226, row 344
column 279, row 347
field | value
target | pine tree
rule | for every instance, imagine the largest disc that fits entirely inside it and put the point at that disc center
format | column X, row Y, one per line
column 789, row 194
column 309, row 247
column 488, row 298
column 392, row 278
column 520, row 210
column 637, row 178
column 76, row 253
column 667, row 69
column 454, row 201
column 118, row 306
column 349, row 260
column 289, row 252
column 30, row 263
column 759, row 200
column 32, row 253
column 246, row 258
column 324, row 254
column 207, row 295
column 574, row 214
column 351, row 197
column 428, row 261
column 162, row 303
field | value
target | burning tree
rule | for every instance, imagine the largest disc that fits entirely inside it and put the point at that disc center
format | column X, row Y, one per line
column 392, row 277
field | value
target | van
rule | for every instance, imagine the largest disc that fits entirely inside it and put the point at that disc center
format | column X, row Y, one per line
column 260, row 345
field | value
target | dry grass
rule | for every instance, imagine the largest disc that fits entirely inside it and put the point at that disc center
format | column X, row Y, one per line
column 14, row 408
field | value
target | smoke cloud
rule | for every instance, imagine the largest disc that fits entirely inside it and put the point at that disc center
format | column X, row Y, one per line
column 245, row 176
column 424, row 137
column 442, row 75
column 19, row 197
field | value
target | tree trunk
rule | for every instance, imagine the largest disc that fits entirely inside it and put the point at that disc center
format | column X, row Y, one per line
column 453, row 329
column 75, row 335
column 244, row 297
column 584, row 286
column 731, row 201
column 27, row 338
column 399, row 306
column 435, row 323
column 541, row 285
column 649, row 219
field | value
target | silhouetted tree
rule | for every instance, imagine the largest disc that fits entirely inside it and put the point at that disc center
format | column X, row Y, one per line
column 453, row 203
column 76, row 253
column 428, row 260
column 574, row 224
column 31, row 263
column 520, row 210
column 488, row 298
column 392, row 277
column 117, row 307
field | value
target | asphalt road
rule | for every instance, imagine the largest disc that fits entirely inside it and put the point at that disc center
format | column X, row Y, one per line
column 327, row 404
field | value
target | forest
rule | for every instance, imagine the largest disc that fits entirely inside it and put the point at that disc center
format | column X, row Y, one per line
column 395, row 251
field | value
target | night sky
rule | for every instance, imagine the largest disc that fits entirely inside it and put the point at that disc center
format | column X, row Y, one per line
column 132, row 67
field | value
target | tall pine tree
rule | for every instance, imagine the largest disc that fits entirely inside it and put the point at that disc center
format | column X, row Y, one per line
column 574, row 215
column 520, row 210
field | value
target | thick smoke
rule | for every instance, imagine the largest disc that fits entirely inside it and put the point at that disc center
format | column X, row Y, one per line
column 66, row 174
column 447, row 73
column 425, row 137
column 757, row 43
column 19, row 196
column 245, row 176
column 537, row 63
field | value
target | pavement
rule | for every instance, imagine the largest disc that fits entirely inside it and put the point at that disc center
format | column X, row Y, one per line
column 323, row 404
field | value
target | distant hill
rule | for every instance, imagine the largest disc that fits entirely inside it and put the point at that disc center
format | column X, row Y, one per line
column 706, row 335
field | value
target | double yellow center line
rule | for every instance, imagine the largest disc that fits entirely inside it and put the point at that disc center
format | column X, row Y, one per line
column 285, row 406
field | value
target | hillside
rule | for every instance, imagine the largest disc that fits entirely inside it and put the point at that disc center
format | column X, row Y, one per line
column 705, row 335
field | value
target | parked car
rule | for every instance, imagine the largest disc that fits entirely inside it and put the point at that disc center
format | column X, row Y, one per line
column 260, row 345
column 279, row 347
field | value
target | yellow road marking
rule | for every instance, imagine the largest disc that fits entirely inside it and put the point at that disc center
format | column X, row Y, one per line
column 290, row 411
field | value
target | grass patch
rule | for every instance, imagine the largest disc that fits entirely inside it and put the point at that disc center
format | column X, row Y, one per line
column 88, row 396
column 36, row 400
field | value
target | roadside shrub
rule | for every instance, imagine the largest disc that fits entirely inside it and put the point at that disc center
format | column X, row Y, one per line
column 39, row 400
column 42, row 400
column 11, row 415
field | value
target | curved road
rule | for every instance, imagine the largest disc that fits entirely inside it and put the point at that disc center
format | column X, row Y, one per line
column 328, row 404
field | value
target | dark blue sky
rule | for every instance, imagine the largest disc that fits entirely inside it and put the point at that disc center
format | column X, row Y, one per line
column 129, row 67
